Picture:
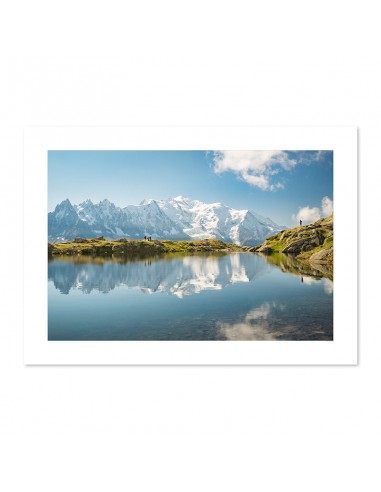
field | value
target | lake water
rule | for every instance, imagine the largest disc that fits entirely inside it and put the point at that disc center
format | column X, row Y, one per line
column 239, row 296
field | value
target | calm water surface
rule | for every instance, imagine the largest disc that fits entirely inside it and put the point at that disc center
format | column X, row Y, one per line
column 239, row 296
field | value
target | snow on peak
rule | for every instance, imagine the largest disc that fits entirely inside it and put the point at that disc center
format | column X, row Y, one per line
column 64, row 203
column 174, row 218
column 64, row 211
column 84, row 205
column 181, row 198
column 147, row 201
column 105, row 202
column 64, row 206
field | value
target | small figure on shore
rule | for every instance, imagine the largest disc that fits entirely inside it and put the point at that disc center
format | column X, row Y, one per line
column 301, row 279
column 300, row 222
column 150, row 238
column 145, row 238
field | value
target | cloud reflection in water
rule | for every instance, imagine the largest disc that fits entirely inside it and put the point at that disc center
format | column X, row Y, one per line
column 256, row 324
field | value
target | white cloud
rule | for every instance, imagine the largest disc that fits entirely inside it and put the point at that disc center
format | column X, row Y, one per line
column 312, row 214
column 326, row 206
column 256, row 167
column 307, row 215
column 260, row 181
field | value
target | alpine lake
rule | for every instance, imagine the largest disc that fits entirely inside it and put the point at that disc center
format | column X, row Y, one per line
column 200, row 296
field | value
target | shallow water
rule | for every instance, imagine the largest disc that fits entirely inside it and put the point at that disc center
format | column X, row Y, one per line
column 238, row 296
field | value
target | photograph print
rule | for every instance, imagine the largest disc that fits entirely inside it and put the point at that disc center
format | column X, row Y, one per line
column 190, row 245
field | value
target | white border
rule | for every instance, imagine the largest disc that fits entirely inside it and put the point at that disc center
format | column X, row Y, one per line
column 37, row 142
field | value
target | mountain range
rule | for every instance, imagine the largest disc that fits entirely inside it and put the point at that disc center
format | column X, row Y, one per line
column 178, row 218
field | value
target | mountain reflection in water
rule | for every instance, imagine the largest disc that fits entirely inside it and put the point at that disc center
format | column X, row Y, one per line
column 236, row 296
column 173, row 274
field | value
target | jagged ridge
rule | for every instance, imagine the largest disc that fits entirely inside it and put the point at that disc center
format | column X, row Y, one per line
column 178, row 218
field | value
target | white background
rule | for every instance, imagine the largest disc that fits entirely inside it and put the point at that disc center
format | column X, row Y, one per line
column 38, row 350
column 184, row 428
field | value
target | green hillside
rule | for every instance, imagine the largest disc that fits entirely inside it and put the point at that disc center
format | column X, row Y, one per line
column 313, row 242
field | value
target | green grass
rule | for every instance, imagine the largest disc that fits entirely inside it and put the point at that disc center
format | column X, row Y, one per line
column 103, row 247
column 319, row 232
column 328, row 244
column 201, row 245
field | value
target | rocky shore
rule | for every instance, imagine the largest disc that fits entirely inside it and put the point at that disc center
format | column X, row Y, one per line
column 313, row 242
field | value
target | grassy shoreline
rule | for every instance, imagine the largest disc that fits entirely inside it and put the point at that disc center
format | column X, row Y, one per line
column 312, row 243
column 126, row 247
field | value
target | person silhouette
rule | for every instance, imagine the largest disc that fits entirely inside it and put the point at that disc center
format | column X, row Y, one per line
column 300, row 222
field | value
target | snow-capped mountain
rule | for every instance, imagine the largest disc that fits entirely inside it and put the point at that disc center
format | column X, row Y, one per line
column 64, row 223
column 174, row 218
column 215, row 220
column 149, row 218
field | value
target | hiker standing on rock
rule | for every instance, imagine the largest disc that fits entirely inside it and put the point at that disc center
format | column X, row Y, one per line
column 300, row 222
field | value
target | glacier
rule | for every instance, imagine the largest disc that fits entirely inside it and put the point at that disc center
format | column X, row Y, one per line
column 178, row 218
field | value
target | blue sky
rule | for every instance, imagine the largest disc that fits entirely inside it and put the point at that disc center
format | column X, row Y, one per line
column 277, row 184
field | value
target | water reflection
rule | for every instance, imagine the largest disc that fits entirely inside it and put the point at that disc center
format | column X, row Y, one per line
column 254, row 326
column 240, row 296
column 175, row 275
column 328, row 286
column 304, row 269
column 274, row 321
